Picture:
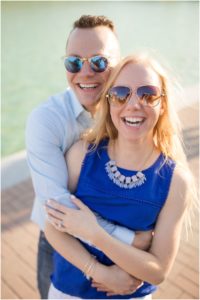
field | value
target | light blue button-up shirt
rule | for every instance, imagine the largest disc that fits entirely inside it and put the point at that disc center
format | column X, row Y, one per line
column 51, row 130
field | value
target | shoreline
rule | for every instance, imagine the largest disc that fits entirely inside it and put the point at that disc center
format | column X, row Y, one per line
column 17, row 161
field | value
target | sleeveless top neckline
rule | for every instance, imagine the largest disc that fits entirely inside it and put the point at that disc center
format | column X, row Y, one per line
column 148, row 169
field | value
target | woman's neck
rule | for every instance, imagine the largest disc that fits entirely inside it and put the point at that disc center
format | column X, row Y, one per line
column 133, row 155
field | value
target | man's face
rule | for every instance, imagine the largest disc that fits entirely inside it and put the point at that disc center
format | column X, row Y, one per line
column 88, row 84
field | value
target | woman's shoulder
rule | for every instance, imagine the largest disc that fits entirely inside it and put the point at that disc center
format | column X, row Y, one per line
column 77, row 151
column 74, row 159
column 181, row 184
column 182, row 176
column 80, row 145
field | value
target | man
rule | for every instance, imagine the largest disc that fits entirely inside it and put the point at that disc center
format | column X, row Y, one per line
column 92, row 50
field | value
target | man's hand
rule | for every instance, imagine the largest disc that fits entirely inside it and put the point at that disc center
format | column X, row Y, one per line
column 114, row 281
column 143, row 240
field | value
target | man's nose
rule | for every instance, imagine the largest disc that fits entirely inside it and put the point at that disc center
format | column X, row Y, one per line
column 86, row 69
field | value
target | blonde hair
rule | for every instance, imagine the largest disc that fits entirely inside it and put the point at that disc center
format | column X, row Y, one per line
column 167, row 132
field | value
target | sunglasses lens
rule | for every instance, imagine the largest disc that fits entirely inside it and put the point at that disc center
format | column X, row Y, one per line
column 148, row 94
column 118, row 95
column 98, row 63
column 73, row 64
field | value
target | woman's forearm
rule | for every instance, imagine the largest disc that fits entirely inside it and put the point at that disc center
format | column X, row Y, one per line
column 112, row 279
column 138, row 263
column 68, row 246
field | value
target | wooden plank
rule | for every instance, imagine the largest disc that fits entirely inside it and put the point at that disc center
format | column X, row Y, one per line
column 19, row 236
column 20, row 287
column 191, row 275
column 7, row 291
column 191, row 263
column 26, row 257
column 187, row 296
column 15, row 265
column 32, row 229
column 168, row 291
column 187, row 286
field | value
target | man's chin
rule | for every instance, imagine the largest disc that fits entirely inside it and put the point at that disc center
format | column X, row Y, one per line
column 88, row 101
column 89, row 105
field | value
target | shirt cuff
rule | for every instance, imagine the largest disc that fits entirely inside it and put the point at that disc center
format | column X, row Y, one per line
column 124, row 234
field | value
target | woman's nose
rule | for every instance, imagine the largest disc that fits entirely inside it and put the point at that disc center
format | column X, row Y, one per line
column 134, row 102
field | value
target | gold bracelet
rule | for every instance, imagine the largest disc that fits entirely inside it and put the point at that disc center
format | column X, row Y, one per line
column 92, row 269
column 89, row 267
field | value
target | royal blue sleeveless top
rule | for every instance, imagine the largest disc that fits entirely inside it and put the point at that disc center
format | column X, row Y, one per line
column 136, row 208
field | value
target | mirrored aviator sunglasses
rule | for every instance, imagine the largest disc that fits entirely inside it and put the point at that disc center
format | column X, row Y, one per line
column 74, row 64
column 148, row 95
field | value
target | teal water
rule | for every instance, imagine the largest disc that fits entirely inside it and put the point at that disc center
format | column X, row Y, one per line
column 33, row 42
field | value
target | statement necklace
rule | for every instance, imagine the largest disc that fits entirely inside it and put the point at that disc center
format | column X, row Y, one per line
column 126, row 182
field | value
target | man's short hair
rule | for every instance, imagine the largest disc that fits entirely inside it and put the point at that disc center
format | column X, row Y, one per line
column 89, row 21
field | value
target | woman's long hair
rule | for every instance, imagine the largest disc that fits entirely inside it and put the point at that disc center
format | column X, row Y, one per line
column 167, row 132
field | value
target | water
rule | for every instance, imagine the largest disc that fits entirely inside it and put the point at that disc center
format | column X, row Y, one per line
column 33, row 42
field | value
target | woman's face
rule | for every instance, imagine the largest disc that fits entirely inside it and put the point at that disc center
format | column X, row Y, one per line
column 134, row 120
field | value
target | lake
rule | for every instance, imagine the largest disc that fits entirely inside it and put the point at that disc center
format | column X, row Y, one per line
column 34, row 36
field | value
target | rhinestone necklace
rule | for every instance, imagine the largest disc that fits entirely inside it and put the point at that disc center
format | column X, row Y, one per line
column 127, row 182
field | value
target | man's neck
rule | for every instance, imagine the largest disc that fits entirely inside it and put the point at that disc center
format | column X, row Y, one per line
column 91, row 109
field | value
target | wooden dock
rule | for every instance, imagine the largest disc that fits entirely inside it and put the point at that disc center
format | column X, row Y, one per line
column 20, row 236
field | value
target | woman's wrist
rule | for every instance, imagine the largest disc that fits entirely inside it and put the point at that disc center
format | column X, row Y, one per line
column 100, row 272
column 98, row 236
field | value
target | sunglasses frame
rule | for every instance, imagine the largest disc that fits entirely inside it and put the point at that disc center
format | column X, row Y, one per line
column 89, row 59
column 131, row 93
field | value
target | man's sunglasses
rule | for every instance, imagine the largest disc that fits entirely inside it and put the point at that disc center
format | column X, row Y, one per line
column 74, row 64
column 148, row 95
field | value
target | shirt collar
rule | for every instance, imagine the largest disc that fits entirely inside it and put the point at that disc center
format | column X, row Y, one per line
column 77, row 108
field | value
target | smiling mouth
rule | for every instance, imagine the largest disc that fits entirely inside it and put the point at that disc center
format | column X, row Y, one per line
column 88, row 86
column 133, row 122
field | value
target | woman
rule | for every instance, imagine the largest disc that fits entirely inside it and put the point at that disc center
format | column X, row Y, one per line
column 131, row 169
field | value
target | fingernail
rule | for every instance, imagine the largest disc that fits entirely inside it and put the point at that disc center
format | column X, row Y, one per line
column 72, row 196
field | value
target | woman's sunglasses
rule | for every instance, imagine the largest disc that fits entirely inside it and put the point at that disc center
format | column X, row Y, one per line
column 148, row 95
column 74, row 64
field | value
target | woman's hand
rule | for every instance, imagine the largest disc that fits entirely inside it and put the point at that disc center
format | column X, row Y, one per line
column 80, row 222
column 114, row 281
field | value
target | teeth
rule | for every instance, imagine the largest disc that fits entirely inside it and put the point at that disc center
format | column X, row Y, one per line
column 134, row 122
column 87, row 86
